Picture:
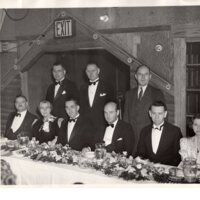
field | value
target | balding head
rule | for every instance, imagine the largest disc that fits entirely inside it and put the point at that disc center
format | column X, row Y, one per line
column 111, row 112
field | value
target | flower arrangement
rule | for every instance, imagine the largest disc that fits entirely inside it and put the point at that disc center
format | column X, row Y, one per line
column 111, row 164
column 7, row 176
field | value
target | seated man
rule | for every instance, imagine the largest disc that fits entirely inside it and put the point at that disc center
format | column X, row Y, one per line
column 77, row 130
column 19, row 123
column 159, row 142
column 118, row 135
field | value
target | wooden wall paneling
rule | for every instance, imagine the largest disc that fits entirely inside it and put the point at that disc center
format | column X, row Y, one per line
column 186, row 30
column 180, row 83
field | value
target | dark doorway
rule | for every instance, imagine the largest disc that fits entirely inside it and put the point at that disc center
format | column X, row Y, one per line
column 193, row 83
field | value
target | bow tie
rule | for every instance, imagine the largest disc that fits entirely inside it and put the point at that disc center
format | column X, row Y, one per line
column 93, row 83
column 158, row 128
column 72, row 120
column 58, row 82
column 18, row 115
column 112, row 125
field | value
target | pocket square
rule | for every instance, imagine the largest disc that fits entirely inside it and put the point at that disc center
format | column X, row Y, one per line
column 119, row 139
column 102, row 94
column 64, row 92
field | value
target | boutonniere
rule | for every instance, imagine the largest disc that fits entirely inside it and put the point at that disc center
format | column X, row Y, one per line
column 45, row 127
column 64, row 92
column 102, row 94
column 119, row 139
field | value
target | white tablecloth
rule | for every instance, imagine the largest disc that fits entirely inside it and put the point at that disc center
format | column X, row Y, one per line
column 31, row 172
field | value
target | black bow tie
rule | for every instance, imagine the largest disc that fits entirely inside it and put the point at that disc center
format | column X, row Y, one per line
column 18, row 115
column 112, row 125
column 157, row 128
column 58, row 82
column 72, row 120
column 93, row 83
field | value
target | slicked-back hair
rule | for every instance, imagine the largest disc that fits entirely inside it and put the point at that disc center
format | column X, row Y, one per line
column 75, row 100
column 142, row 66
column 21, row 96
column 92, row 63
column 158, row 104
column 56, row 64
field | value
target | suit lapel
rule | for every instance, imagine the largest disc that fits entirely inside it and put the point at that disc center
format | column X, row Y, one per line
column 146, row 95
column 75, row 129
column 149, row 140
column 97, row 93
column 60, row 90
column 163, row 140
column 116, row 132
column 11, row 120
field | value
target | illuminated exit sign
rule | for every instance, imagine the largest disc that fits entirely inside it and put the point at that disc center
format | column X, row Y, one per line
column 63, row 28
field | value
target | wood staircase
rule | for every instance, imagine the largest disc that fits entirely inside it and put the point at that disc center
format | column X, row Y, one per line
column 10, row 83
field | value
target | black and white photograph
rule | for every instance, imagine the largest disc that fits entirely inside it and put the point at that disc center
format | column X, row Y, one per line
column 103, row 95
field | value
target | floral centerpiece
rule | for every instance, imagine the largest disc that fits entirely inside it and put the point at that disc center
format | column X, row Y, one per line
column 7, row 176
column 111, row 164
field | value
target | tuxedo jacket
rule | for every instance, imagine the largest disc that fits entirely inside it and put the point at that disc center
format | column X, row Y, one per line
column 67, row 89
column 24, row 129
column 123, row 138
column 168, row 148
column 82, row 134
column 41, row 135
column 104, row 93
column 136, row 112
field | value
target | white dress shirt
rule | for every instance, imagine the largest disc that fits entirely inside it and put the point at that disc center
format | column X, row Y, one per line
column 70, row 127
column 92, row 91
column 17, row 121
column 143, row 90
column 57, row 87
column 109, row 133
column 155, row 136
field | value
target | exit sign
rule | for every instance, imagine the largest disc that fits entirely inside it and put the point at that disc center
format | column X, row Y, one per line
column 63, row 28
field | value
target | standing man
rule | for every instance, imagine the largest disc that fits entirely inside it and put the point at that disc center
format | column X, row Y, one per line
column 76, row 131
column 160, row 142
column 118, row 136
column 138, row 100
column 59, row 90
column 94, row 95
column 19, row 123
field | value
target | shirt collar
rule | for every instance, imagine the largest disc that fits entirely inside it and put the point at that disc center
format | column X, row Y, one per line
column 143, row 88
column 159, row 126
column 23, row 113
column 115, row 122
column 94, row 80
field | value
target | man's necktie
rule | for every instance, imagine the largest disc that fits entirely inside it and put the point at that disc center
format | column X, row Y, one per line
column 93, row 83
column 140, row 94
column 112, row 125
column 18, row 114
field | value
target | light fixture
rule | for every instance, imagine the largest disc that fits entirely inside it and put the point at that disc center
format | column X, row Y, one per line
column 158, row 47
column 104, row 18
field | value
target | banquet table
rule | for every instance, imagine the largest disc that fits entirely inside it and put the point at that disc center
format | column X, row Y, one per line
column 29, row 172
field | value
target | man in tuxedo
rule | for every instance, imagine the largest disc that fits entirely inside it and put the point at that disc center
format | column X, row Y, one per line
column 138, row 101
column 76, row 130
column 118, row 135
column 19, row 123
column 94, row 95
column 160, row 142
column 59, row 90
